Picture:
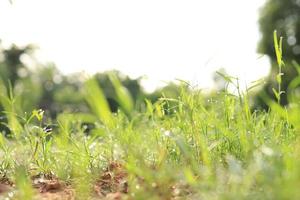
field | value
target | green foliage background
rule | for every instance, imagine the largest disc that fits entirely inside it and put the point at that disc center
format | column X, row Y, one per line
column 283, row 16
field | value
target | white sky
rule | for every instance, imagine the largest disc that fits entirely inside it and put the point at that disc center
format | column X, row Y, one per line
column 163, row 39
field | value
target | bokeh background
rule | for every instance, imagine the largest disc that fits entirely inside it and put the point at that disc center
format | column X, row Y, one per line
column 49, row 47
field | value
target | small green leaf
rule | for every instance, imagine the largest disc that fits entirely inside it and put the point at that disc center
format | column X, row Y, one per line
column 149, row 106
column 275, row 93
column 278, row 78
column 38, row 114
column 278, row 48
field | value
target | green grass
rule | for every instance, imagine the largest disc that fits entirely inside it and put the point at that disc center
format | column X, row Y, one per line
column 202, row 149
column 192, row 147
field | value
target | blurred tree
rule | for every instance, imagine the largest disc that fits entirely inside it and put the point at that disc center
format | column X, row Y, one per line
column 36, row 87
column 283, row 16
column 12, row 67
column 44, row 87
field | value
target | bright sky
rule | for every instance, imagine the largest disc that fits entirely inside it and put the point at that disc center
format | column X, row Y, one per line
column 162, row 39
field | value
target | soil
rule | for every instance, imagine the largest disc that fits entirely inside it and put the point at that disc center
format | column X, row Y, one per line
column 111, row 185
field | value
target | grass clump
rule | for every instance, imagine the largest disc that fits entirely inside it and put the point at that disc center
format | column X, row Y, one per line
column 202, row 149
column 191, row 147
